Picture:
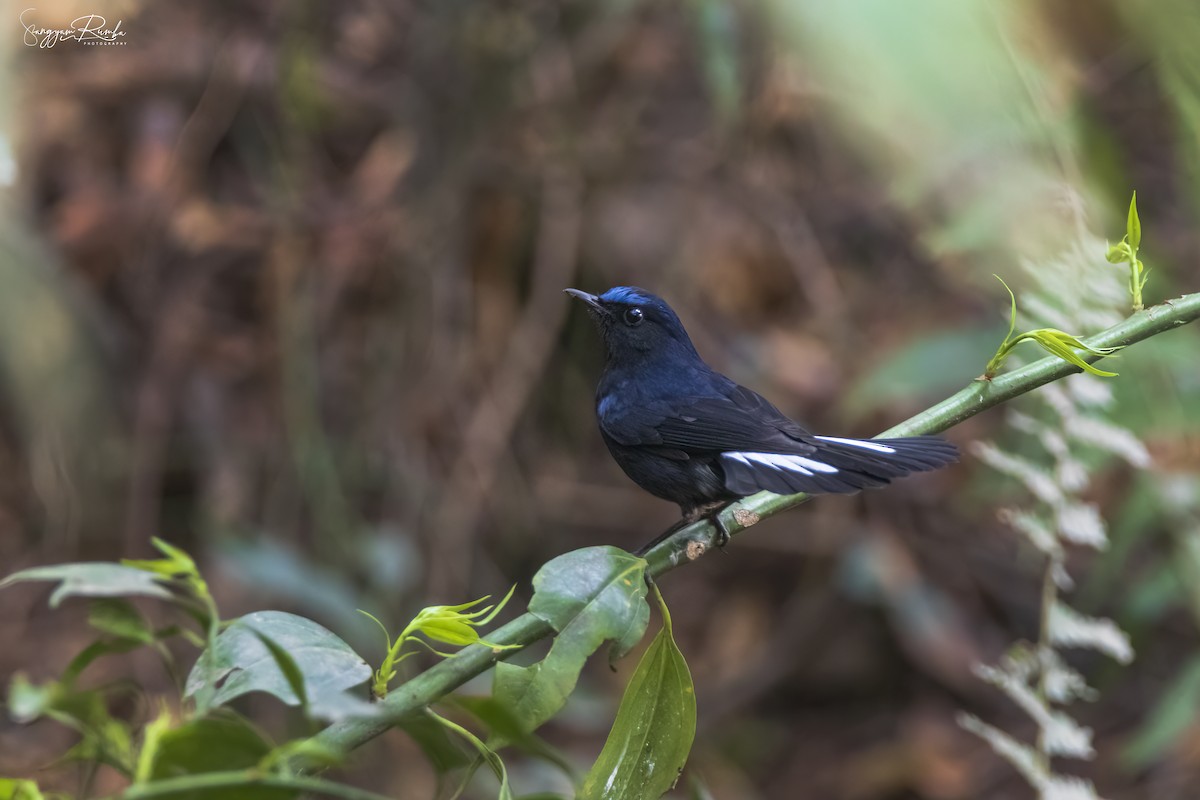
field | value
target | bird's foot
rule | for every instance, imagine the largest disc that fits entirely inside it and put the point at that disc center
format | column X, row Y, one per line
column 709, row 511
column 712, row 512
column 723, row 535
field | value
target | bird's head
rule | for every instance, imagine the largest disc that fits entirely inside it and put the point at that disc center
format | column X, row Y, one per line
column 636, row 324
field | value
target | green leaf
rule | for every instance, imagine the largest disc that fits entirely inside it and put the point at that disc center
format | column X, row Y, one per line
column 19, row 790
column 103, row 738
column 90, row 653
column 151, row 737
column 1133, row 225
column 1064, row 345
column 655, row 725
column 215, row 743
column 94, row 579
column 106, row 741
column 241, row 662
column 1118, row 253
column 633, row 634
column 177, row 565
column 28, row 701
column 118, row 617
column 83, row 711
column 218, row 742
column 589, row 596
column 290, row 669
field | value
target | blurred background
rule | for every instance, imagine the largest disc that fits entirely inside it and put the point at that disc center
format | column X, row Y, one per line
column 281, row 283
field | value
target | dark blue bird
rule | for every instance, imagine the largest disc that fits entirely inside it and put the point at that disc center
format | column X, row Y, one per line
column 686, row 433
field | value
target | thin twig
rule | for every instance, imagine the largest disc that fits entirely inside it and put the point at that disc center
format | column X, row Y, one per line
column 238, row 781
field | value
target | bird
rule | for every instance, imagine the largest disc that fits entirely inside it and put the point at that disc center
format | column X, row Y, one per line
column 686, row 433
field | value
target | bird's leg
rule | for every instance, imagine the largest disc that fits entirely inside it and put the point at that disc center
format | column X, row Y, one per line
column 723, row 534
column 710, row 511
column 657, row 540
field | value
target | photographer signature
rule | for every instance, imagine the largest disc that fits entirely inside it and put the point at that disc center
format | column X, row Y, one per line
column 88, row 29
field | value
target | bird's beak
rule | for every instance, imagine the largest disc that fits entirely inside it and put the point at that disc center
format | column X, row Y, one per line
column 591, row 299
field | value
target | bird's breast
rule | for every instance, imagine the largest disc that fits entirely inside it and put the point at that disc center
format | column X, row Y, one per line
column 604, row 404
column 615, row 395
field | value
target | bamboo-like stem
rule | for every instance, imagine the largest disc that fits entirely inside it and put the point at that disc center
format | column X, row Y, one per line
column 694, row 540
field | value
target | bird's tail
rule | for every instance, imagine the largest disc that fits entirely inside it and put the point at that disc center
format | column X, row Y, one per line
column 838, row 466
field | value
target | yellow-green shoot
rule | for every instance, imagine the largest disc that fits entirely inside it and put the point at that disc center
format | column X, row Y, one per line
column 1054, row 341
column 1126, row 251
column 452, row 625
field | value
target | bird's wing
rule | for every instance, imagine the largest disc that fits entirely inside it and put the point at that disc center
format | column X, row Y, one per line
column 710, row 424
column 760, row 449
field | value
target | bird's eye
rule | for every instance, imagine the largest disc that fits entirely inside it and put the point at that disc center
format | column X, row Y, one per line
column 634, row 317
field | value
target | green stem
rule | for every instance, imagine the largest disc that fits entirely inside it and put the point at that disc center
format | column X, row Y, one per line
column 387, row 670
column 693, row 541
column 237, row 781
column 485, row 752
column 434, row 683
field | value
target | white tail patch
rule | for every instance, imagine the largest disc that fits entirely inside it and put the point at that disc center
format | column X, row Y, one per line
column 879, row 448
column 787, row 463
